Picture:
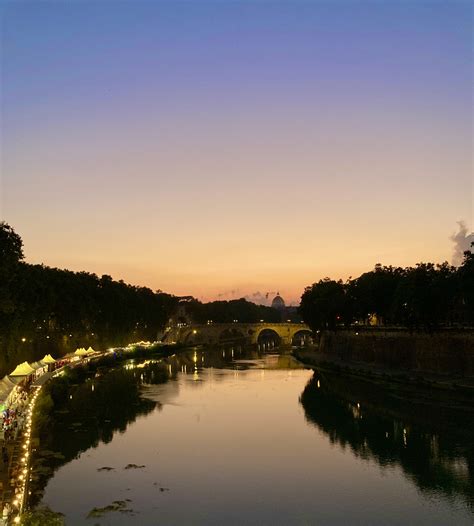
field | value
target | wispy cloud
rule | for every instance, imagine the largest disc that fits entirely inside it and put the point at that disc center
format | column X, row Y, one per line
column 462, row 241
column 261, row 298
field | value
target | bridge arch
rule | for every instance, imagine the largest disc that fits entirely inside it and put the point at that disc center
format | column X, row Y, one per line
column 268, row 337
column 231, row 334
column 252, row 333
column 302, row 337
column 192, row 337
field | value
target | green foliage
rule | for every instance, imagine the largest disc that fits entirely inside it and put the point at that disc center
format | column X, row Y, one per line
column 49, row 310
column 466, row 283
column 57, row 390
column 228, row 311
column 42, row 517
column 11, row 246
column 373, row 291
column 426, row 296
column 323, row 305
column 43, row 409
column 76, row 375
column 11, row 252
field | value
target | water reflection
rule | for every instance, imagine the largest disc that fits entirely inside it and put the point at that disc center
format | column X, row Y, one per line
column 232, row 357
column 90, row 413
column 436, row 453
column 224, row 426
column 107, row 402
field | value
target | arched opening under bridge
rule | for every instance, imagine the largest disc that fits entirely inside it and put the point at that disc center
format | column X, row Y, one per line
column 194, row 337
column 230, row 335
column 302, row 338
column 268, row 339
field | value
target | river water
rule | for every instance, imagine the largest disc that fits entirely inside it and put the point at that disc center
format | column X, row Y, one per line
column 239, row 437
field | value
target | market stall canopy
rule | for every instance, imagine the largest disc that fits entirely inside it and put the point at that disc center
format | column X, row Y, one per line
column 6, row 387
column 8, row 382
column 80, row 352
column 90, row 350
column 38, row 365
column 48, row 359
column 24, row 369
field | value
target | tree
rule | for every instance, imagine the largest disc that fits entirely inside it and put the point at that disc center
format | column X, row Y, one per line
column 227, row 311
column 11, row 253
column 325, row 304
column 49, row 310
column 11, row 246
column 466, row 285
column 373, row 292
column 42, row 516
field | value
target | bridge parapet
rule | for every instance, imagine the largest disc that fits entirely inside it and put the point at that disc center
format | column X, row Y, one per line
column 214, row 333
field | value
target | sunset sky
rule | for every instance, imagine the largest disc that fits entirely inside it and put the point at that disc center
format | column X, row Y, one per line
column 223, row 148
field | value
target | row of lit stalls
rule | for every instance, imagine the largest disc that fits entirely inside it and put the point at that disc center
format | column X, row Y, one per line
column 12, row 385
column 21, row 376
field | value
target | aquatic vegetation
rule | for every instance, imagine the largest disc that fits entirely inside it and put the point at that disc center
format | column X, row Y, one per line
column 134, row 466
column 78, row 416
column 120, row 506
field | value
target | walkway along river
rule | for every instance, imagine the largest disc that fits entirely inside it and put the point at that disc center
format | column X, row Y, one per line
column 233, row 436
column 17, row 441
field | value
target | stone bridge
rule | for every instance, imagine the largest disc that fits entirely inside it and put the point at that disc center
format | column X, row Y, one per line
column 248, row 333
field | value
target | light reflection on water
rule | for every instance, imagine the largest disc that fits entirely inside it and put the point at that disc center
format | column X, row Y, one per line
column 255, row 439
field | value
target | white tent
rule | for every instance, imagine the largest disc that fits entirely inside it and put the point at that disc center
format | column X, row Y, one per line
column 24, row 369
column 40, row 368
column 80, row 352
column 90, row 350
column 6, row 387
column 48, row 359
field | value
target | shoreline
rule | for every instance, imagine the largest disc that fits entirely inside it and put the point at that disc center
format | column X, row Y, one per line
column 455, row 386
column 14, row 493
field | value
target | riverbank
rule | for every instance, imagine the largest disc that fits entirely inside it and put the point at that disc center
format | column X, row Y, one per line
column 134, row 451
column 15, row 472
column 448, row 351
column 450, row 391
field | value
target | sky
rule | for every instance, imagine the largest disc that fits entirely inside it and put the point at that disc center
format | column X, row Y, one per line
column 228, row 149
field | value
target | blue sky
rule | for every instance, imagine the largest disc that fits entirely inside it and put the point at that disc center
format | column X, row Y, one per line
column 184, row 145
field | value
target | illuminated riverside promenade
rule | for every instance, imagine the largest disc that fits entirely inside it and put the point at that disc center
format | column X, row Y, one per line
column 17, row 470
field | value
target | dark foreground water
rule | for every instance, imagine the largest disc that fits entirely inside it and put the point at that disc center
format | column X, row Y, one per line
column 234, row 437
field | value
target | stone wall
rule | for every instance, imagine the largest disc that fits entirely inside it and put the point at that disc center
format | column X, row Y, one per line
column 450, row 352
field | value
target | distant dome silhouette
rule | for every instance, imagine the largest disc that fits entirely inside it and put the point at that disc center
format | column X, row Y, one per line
column 278, row 302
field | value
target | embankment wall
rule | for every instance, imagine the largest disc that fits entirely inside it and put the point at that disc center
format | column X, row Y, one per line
column 448, row 352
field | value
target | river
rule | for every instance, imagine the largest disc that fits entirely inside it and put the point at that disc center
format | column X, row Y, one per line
column 234, row 436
